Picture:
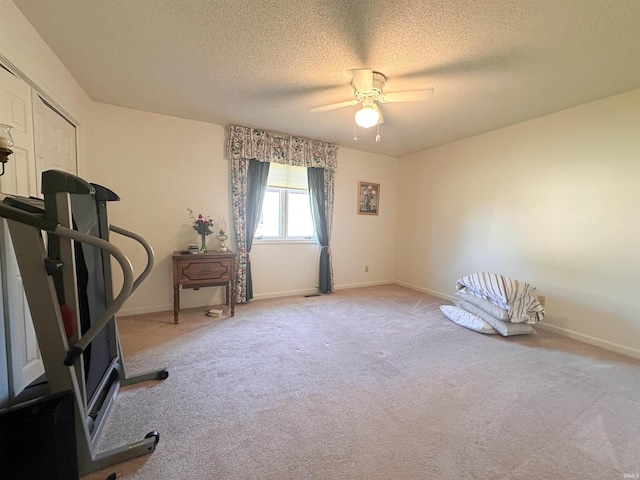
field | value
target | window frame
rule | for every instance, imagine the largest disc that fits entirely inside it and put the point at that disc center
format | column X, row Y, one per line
column 283, row 237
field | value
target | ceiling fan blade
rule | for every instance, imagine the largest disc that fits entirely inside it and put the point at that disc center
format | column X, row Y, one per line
column 333, row 106
column 362, row 79
column 407, row 96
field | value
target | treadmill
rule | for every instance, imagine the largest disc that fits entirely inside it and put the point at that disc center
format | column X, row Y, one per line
column 68, row 286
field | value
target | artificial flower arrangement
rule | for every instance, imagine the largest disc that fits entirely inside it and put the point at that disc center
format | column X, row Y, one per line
column 202, row 225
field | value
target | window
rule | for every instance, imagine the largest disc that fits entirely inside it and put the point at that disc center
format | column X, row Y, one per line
column 286, row 214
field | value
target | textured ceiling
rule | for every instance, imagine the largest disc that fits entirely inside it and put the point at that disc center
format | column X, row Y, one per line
column 268, row 63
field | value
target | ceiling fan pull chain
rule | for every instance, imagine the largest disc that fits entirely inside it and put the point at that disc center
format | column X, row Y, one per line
column 378, row 135
column 355, row 131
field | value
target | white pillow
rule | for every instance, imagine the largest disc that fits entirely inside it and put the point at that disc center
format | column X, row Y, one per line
column 466, row 319
column 486, row 305
column 504, row 328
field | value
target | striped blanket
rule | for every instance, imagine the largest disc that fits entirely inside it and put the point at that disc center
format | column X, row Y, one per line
column 518, row 298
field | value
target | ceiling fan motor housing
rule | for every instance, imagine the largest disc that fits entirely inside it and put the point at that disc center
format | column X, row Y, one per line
column 377, row 85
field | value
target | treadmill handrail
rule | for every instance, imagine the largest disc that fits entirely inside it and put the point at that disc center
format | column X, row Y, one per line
column 22, row 216
column 127, row 283
column 51, row 226
column 150, row 255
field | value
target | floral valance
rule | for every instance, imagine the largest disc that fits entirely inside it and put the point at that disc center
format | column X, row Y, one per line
column 250, row 143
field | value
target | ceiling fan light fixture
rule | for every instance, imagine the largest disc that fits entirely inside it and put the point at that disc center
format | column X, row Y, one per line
column 367, row 116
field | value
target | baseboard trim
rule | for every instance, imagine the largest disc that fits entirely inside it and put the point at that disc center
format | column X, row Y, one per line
column 598, row 342
column 308, row 291
column 444, row 296
column 139, row 311
column 348, row 286
column 288, row 293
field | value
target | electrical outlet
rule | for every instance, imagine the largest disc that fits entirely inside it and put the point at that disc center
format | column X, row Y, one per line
column 366, row 269
column 542, row 299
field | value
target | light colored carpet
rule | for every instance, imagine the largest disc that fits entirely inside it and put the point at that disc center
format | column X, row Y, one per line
column 369, row 383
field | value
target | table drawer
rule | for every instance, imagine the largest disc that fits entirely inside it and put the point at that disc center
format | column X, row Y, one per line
column 211, row 269
column 204, row 270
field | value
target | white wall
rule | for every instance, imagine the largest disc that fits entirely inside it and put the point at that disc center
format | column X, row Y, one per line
column 356, row 241
column 160, row 166
column 554, row 201
column 360, row 240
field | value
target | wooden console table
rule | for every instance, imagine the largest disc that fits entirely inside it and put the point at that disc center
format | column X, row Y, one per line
column 209, row 269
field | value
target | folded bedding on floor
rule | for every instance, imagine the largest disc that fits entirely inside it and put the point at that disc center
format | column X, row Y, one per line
column 503, row 328
column 486, row 305
column 467, row 320
column 518, row 299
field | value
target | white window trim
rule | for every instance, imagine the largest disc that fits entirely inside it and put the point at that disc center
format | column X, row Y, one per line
column 284, row 240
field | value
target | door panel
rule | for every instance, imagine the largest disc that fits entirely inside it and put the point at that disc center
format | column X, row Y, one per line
column 4, row 365
column 55, row 140
column 15, row 110
column 24, row 354
column 24, row 362
column 16, row 179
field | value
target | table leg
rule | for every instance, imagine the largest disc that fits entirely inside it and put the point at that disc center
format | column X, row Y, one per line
column 232, row 298
column 176, row 303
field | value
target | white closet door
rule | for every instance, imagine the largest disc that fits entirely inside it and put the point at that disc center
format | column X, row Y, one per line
column 15, row 110
column 4, row 365
column 25, row 360
column 25, row 363
column 55, row 140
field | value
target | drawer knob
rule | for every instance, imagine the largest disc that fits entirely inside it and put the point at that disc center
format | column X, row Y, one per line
column 205, row 270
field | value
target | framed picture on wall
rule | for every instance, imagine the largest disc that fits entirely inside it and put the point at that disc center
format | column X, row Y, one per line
column 368, row 198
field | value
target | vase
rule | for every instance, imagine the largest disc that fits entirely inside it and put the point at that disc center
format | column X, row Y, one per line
column 203, row 247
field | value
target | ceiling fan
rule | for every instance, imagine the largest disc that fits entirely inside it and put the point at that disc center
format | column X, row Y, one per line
column 368, row 87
